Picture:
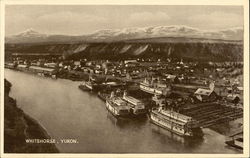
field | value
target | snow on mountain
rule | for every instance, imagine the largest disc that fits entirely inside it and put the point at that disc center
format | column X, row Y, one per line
column 169, row 31
column 103, row 33
column 31, row 35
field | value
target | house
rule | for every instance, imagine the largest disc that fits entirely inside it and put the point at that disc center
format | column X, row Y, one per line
column 77, row 63
column 97, row 71
column 88, row 63
column 20, row 61
column 50, row 65
column 196, row 81
column 85, row 69
column 91, row 70
column 131, row 64
column 22, row 67
column 130, row 61
column 234, row 98
column 10, row 65
column 172, row 78
column 33, row 63
column 239, row 90
column 40, row 63
column 61, row 64
column 205, row 95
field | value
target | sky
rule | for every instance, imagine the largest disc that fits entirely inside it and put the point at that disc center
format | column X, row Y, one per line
column 86, row 19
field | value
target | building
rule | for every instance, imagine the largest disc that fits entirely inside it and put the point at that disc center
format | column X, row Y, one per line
column 130, row 61
column 50, row 65
column 46, row 71
column 205, row 95
column 22, row 67
column 172, row 78
column 10, row 65
column 77, row 63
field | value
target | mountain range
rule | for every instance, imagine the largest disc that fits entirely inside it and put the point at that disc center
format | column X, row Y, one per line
column 132, row 34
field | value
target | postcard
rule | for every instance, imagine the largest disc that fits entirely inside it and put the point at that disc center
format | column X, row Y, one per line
column 124, row 79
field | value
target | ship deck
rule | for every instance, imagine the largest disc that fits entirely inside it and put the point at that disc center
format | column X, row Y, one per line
column 168, row 118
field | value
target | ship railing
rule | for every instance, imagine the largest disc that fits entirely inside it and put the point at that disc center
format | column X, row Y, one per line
column 168, row 119
column 176, row 115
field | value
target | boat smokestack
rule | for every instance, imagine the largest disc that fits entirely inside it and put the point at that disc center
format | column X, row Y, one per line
column 112, row 94
column 124, row 93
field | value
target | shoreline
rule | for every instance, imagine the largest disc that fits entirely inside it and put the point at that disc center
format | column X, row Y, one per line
column 222, row 128
column 70, row 85
column 19, row 126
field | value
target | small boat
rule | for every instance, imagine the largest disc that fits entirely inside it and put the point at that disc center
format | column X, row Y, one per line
column 54, row 76
column 90, row 86
column 175, row 122
column 137, row 107
column 236, row 140
column 102, row 95
column 117, row 106
column 83, row 87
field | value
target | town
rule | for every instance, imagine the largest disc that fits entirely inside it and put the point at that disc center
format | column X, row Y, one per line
column 196, row 94
column 128, row 78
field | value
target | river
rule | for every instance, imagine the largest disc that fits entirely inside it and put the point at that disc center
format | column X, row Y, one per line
column 66, row 112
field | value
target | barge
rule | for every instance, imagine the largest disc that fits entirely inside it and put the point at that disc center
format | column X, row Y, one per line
column 236, row 141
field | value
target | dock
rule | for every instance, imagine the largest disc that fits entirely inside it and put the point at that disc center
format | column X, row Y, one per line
column 209, row 114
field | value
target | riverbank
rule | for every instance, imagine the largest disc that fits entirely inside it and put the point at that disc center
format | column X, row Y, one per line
column 19, row 126
column 224, row 128
column 69, row 113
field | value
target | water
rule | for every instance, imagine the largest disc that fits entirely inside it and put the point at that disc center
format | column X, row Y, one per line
column 67, row 112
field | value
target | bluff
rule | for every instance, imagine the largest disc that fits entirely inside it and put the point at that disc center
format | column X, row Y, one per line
column 18, row 127
column 194, row 49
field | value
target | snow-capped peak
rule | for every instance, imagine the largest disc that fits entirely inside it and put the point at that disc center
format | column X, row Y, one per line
column 151, row 30
column 235, row 33
column 30, row 33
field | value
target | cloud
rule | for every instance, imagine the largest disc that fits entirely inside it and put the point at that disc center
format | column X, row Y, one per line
column 64, row 22
column 70, row 17
column 69, row 21
column 84, row 19
column 217, row 20
column 148, row 18
column 15, row 22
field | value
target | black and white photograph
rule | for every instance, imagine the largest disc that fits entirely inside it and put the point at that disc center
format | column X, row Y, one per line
column 124, row 79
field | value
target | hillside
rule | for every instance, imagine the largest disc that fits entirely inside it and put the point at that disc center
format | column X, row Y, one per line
column 146, row 42
column 191, row 49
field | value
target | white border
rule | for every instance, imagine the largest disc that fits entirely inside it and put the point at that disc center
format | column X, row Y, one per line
column 244, row 3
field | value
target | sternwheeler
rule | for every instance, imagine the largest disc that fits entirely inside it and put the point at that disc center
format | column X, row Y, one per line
column 137, row 106
column 175, row 122
column 153, row 88
column 117, row 106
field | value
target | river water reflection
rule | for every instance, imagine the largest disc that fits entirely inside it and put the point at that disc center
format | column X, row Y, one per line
column 67, row 112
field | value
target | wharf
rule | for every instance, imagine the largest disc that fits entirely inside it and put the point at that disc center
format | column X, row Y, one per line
column 209, row 114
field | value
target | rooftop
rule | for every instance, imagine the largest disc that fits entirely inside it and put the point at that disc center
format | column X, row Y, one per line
column 201, row 91
column 41, row 68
